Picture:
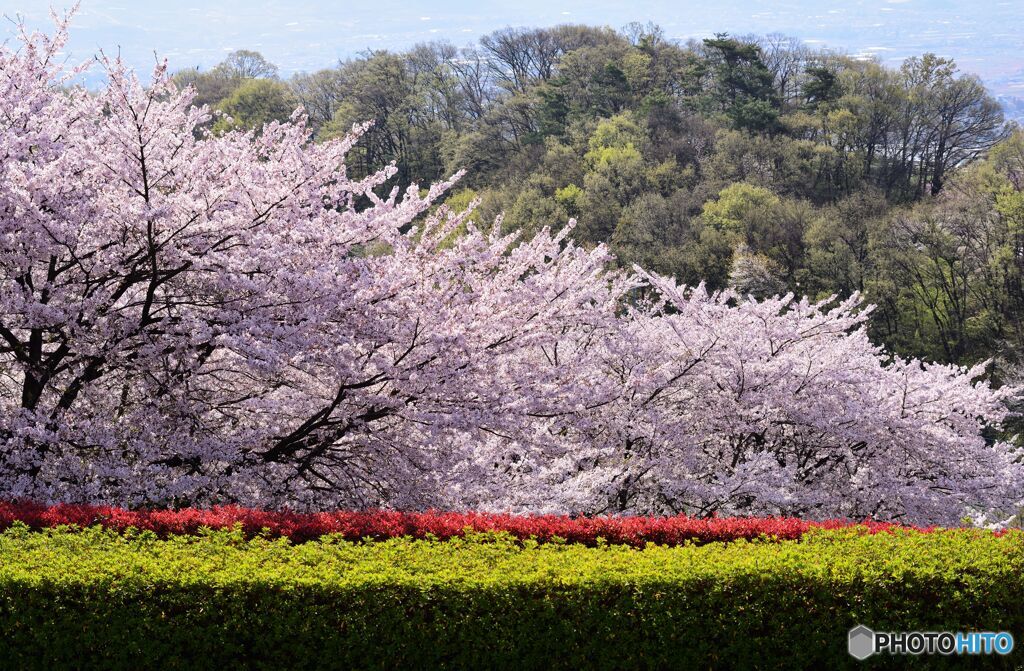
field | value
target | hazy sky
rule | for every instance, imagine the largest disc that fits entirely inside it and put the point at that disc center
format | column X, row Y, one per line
column 985, row 37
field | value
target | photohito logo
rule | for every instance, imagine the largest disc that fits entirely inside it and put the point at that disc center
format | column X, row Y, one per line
column 863, row 642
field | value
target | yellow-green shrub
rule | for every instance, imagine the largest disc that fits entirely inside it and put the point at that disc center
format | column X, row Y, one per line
column 97, row 599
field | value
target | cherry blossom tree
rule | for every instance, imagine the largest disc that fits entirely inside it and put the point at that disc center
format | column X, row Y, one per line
column 724, row 404
column 188, row 317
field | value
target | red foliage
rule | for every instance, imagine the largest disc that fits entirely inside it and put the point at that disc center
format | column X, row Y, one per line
column 382, row 524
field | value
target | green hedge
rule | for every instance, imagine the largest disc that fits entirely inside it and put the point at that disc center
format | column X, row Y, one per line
column 97, row 599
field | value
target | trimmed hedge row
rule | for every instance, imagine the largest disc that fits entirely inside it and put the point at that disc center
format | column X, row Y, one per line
column 382, row 524
column 99, row 599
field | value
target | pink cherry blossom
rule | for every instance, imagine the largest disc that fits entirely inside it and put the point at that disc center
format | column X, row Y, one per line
column 189, row 318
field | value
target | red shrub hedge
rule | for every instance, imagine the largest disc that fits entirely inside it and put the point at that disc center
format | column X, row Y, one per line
column 381, row 524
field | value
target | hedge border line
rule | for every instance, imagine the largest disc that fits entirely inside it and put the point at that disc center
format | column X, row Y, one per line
column 385, row 524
